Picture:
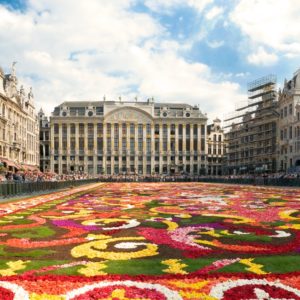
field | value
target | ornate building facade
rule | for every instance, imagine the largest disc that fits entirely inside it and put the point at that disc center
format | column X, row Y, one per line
column 215, row 148
column 44, row 141
column 252, row 136
column 115, row 137
column 289, row 124
column 19, row 128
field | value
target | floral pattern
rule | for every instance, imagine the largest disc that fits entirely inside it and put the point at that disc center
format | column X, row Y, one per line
column 152, row 241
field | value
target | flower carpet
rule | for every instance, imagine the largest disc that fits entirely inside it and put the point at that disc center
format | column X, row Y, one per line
column 149, row 241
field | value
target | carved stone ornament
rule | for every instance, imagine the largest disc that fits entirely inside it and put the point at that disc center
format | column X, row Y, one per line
column 128, row 115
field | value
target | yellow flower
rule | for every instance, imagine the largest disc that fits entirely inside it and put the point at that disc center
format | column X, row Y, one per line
column 93, row 269
column 174, row 266
column 94, row 249
column 14, row 266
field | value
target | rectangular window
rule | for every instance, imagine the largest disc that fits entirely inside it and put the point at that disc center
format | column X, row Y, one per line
column 81, row 143
column 108, row 145
column 72, row 129
column 195, row 130
column 56, row 143
column 165, row 144
column 90, row 129
column 100, row 128
column 140, row 130
column 108, row 128
column 81, row 128
column 132, row 129
column 116, row 142
column 56, row 128
column 140, row 144
column 123, row 144
column 187, row 130
column 124, row 129
column 172, row 129
column 100, row 145
column 148, row 129
column 291, row 109
column 148, row 145
column 131, row 144
column 202, row 130
column 90, row 143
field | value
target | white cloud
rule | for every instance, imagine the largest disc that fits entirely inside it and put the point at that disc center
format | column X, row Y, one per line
column 214, row 12
column 273, row 23
column 81, row 52
column 262, row 57
column 165, row 6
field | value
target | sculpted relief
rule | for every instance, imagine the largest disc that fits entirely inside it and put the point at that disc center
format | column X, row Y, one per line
column 128, row 115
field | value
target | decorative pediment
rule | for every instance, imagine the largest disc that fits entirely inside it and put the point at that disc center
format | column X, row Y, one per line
column 128, row 114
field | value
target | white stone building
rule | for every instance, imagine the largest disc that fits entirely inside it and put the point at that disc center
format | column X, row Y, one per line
column 215, row 148
column 289, row 124
column 19, row 128
column 115, row 137
column 44, row 141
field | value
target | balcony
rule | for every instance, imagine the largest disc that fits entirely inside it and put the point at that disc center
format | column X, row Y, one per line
column 17, row 146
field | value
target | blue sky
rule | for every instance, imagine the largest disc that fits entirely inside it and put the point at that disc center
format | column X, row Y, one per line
column 198, row 51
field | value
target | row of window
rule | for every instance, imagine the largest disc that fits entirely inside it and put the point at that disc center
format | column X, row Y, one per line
column 131, row 158
column 190, row 144
column 287, row 133
column 286, row 110
column 132, row 127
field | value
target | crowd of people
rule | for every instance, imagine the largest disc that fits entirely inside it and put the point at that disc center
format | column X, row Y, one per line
column 37, row 176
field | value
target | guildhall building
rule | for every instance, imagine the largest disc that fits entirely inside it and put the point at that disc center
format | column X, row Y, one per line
column 117, row 137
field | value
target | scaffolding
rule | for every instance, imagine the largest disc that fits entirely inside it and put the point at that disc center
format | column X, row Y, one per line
column 252, row 131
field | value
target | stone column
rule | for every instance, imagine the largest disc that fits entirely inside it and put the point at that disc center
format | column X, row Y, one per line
column 60, row 149
column 199, row 147
column 51, row 147
column 152, row 148
column 127, row 147
column 144, row 150
column 95, row 149
column 112, row 144
column 68, row 146
column 85, row 168
column 184, row 146
column 120, row 147
column 168, row 147
column 76, row 146
column 104, row 149
column 191, row 149
column 136, row 156
column 176, row 147
column 160, row 148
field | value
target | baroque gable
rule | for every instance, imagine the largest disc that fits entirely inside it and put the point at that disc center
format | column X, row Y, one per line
column 128, row 114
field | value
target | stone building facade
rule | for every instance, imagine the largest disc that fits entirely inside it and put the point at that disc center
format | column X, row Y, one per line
column 289, row 124
column 215, row 148
column 44, row 141
column 252, row 136
column 19, row 128
column 115, row 137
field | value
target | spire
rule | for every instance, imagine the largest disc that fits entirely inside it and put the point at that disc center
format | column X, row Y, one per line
column 30, row 94
column 13, row 69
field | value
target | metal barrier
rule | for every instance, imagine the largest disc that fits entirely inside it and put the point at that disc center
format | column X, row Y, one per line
column 9, row 189
column 18, row 188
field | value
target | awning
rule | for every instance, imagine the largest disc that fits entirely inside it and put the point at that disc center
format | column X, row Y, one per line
column 29, row 167
column 9, row 163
